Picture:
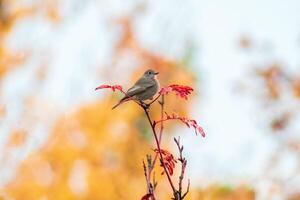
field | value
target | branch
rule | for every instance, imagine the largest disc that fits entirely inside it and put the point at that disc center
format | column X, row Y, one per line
column 150, row 186
column 187, row 190
column 183, row 162
column 151, row 164
column 154, row 99
column 159, row 149
column 162, row 102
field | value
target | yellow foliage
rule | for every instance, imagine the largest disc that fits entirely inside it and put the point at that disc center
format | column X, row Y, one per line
column 93, row 149
column 217, row 192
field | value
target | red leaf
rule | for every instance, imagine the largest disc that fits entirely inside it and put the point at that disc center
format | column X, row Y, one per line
column 146, row 197
column 188, row 122
column 112, row 87
column 168, row 160
column 180, row 90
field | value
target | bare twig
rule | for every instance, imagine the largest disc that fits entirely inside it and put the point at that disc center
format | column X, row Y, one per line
column 154, row 182
column 150, row 186
column 154, row 99
column 183, row 162
column 187, row 189
column 162, row 112
column 146, row 176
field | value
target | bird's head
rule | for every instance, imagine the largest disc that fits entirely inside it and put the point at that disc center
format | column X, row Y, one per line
column 150, row 73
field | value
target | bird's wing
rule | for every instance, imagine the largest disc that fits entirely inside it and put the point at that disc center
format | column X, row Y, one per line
column 140, row 86
column 135, row 90
column 145, row 82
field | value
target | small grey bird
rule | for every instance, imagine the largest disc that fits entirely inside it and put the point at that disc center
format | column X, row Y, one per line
column 145, row 88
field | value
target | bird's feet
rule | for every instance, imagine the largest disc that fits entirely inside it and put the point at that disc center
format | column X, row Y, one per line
column 144, row 105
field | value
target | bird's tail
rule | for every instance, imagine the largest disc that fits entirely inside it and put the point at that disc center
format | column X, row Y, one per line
column 126, row 98
column 120, row 102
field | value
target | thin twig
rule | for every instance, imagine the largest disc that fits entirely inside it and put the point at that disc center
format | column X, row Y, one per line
column 187, row 190
column 145, row 174
column 162, row 103
column 150, row 186
column 154, row 99
column 183, row 162
column 154, row 182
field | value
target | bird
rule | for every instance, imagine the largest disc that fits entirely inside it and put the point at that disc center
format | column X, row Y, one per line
column 143, row 89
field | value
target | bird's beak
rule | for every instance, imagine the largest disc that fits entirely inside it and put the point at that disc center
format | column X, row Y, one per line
column 156, row 73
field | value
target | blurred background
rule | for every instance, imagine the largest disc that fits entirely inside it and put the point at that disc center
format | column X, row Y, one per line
column 60, row 140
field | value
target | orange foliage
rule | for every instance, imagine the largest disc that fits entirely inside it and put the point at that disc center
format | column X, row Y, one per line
column 9, row 60
column 16, row 138
column 295, row 196
column 8, row 18
column 296, row 88
column 271, row 77
column 86, row 152
column 52, row 12
column 10, row 13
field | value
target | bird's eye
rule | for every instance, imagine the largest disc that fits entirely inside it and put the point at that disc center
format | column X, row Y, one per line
column 149, row 73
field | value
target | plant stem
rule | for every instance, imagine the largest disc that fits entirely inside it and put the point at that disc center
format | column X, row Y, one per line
column 152, row 164
column 161, row 129
column 161, row 116
column 159, row 149
column 146, row 173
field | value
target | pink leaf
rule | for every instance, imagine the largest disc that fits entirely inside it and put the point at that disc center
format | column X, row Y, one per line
column 180, row 90
column 112, row 87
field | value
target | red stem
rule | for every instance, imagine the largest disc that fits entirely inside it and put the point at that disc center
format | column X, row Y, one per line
column 160, row 131
column 162, row 120
column 151, row 167
column 154, row 99
column 159, row 150
column 161, row 117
